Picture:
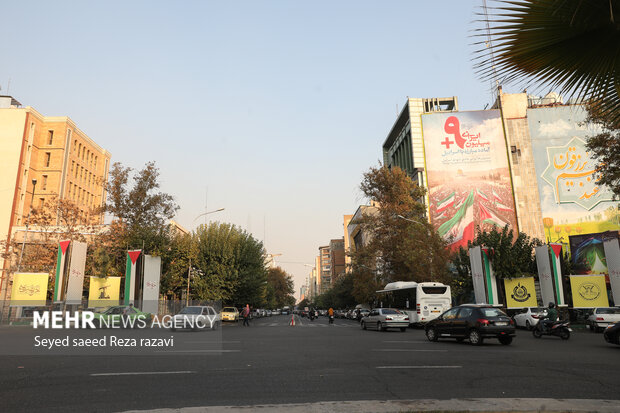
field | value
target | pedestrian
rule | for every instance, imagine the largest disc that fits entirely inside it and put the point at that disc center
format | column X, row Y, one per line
column 246, row 315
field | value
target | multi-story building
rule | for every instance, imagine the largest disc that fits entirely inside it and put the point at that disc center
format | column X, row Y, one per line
column 347, row 243
column 42, row 157
column 522, row 163
column 325, row 269
column 336, row 257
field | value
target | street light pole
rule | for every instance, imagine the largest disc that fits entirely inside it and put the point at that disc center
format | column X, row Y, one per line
column 207, row 213
column 21, row 254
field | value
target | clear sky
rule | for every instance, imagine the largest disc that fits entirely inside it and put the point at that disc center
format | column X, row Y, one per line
column 270, row 109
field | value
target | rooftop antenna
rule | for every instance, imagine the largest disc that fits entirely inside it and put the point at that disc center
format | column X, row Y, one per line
column 8, row 87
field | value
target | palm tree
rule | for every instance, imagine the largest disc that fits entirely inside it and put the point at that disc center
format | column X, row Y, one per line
column 570, row 45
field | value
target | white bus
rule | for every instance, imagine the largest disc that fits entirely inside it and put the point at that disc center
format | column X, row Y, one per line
column 422, row 301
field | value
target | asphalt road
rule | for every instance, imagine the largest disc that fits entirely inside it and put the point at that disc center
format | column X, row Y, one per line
column 271, row 363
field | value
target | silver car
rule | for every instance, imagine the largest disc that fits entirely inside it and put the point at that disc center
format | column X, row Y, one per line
column 384, row 318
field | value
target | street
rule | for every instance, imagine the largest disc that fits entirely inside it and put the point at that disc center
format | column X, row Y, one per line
column 271, row 362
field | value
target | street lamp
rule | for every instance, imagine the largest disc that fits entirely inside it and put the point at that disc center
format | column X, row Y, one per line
column 207, row 213
column 21, row 254
column 189, row 269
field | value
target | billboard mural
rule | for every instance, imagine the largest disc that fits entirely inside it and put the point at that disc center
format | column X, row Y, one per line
column 572, row 203
column 588, row 252
column 467, row 172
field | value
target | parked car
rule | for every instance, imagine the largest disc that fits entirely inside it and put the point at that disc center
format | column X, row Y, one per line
column 529, row 317
column 474, row 322
column 384, row 318
column 113, row 317
column 230, row 314
column 612, row 333
column 364, row 313
column 196, row 317
column 603, row 317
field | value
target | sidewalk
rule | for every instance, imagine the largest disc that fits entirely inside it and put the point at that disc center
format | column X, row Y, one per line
column 423, row 405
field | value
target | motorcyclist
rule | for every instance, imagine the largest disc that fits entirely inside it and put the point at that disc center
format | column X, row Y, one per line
column 550, row 318
column 330, row 314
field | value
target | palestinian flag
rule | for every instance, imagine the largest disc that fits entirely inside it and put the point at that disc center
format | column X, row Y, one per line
column 497, row 198
column 63, row 246
column 481, row 194
column 130, row 275
column 461, row 226
column 489, row 217
column 445, row 203
column 503, row 207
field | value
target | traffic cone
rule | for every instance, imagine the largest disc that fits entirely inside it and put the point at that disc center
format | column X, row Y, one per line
column 292, row 323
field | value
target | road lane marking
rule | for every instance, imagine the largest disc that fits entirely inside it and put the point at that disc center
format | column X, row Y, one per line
column 198, row 351
column 139, row 373
column 419, row 367
column 408, row 349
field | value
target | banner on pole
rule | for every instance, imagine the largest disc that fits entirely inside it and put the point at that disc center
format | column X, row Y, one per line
column 150, row 290
column 544, row 274
column 612, row 255
column 489, row 276
column 520, row 292
column 61, row 270
column 557, row 273
column 130, row 275
column 29, row 289
column 477, row 273
column 589, row 291
column 77, row 267
column 104, row 291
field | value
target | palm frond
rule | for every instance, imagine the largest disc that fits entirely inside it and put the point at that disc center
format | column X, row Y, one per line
column 569, row 45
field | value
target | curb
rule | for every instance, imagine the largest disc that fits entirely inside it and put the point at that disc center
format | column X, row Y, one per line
column 422, row 405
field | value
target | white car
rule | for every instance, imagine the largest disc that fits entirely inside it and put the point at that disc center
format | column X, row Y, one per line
column 196, row 318
column 602, row 317
column 384, row 318
column 529, row 317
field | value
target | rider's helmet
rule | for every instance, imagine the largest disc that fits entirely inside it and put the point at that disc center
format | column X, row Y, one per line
column 551, row 305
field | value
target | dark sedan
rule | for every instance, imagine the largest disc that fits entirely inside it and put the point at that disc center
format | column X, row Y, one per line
column 612, row 334
column 472, row 322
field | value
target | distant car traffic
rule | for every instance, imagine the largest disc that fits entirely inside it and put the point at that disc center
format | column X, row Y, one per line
column 230, row 314
column 384, row 318
column 603, row 317
column 529, row 317
column 612, row 333
column 195, row 318
column 474, row 322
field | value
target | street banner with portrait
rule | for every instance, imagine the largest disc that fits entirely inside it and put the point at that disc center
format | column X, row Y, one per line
column 589, row 291
column 520, row 292
column 29, row 289
column 469, row 184
column 612, row 253
column 104, row 291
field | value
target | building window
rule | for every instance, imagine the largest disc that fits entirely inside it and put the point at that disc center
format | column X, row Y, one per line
column 44, row 183
column 50, row 137
column 41, row 202
column 48, row 157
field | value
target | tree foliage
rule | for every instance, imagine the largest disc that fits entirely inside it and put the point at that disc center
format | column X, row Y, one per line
column 570, row 45
column 340, row 295
column 280, row 288
column 401, row 244
column 605, row 148
column 511, row 258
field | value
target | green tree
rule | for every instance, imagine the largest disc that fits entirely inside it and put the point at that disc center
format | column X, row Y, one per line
column 510, row 257
column 340, row 295
column 570, row 45
column 401, row 244
column 605, row 148
column 281, row 286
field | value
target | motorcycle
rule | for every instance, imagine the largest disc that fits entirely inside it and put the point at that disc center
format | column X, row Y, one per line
column 558, row 328
column 311, row 315
column 331, row 319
